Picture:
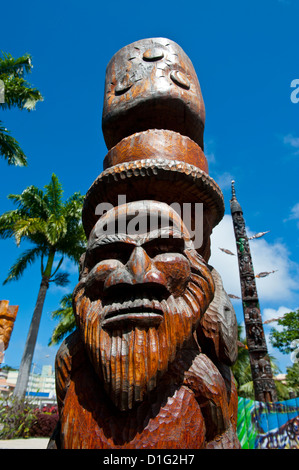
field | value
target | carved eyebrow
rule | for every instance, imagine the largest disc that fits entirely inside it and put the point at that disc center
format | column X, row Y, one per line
column 125, row 238
column 160, row 234
column 109, row 239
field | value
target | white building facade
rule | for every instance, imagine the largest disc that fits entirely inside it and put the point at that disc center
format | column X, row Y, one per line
column 41, row 387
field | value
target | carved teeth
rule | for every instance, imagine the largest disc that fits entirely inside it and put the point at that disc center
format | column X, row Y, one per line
column 135, row 303
column 141, row 307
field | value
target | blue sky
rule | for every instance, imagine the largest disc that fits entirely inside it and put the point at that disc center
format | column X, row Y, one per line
column 245, row 54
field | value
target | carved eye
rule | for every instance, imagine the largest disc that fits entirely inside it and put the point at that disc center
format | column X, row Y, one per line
column 154, row 54
column 164, row 245
column 123, row 86
column 180, row 79
column 120, row 251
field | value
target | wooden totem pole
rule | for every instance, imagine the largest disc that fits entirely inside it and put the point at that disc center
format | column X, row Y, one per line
column 149, row 364
column 264, row 386
column 8, row 315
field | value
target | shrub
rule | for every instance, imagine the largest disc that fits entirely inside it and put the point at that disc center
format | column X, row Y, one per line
column 45, row 422
column 16, row 418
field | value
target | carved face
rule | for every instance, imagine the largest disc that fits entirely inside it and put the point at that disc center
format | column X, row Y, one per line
column 140, row 297
column 152, row 84
column 8, row 315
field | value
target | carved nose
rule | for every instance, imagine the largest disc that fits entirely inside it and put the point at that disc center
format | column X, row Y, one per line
column 142, row 268
column 139, row 263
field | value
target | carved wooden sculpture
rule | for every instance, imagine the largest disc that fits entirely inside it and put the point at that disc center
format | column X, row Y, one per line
column 8, row 315
column 263, row 382
column 152, row 84
column 148, row 366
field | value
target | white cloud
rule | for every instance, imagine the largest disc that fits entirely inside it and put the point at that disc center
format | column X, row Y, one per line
column 210, row 150
column 210, row 156
column 280, row 286
column 270, row 313
column 227, row 265
column 295, row 212
column 70, row 267
column 44, row 355
column 224, row 180
column 67, row 266
column 294, row 215
column 61, row 290
column 292, row 142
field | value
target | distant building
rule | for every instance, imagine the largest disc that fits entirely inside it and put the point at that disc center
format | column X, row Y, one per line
column 40, row 389
column 6, row 387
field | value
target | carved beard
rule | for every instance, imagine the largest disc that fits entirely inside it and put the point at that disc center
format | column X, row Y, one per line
column 130, row 360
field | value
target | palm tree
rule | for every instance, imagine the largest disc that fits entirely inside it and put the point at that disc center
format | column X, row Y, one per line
column 53, row 227
column 15, row 91
column 67, row 322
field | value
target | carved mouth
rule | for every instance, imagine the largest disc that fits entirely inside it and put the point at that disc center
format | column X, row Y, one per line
column 137, row 305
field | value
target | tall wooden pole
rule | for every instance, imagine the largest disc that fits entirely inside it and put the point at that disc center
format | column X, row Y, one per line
column 264, row 386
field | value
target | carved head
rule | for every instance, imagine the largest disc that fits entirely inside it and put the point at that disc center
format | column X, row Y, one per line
column 152, row 84
column 142, row 292
column 8, row 315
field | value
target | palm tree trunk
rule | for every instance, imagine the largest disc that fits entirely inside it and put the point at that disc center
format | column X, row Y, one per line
column 26, row 362
column 24, row 371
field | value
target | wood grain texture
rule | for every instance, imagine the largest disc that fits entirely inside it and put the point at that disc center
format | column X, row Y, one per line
column 170, row 181
column 148, row 366
column 157, row 144
column 171, row 417
column 142, row 383
column 8, row 315
column 218, row 328
column 152, row 84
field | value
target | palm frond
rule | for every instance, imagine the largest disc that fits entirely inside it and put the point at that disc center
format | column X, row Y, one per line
column 7, row 223
column 10, row 149
column 31, row 202
column 24, row 228
column 53, row 195
column 67, row 322
column 73, row 206
column 58, row 266
column 56, row 229
column 66, row 303
column 11, row 66
column 61, row 279
column 27, row 258
column 53, row 226
column 19, row 93
column 247, row 389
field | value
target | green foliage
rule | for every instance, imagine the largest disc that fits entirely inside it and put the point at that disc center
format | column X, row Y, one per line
column 53, row 227
column 16, row 418
column 241, row 369
column 10, row 148
column 67, row 322
column 283, row 339
column 45, row 423
column 18, row 93
column 292, row 378
column 50, row 224
column 243, row 377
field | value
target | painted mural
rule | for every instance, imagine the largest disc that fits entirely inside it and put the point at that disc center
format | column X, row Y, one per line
column 268, row 425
